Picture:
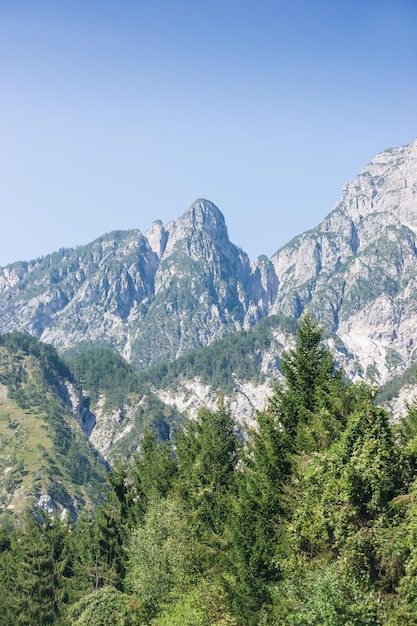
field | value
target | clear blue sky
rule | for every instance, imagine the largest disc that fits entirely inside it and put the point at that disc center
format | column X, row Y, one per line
column 116, row 113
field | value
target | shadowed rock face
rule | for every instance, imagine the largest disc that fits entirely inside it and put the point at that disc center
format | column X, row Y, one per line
column 183, row 285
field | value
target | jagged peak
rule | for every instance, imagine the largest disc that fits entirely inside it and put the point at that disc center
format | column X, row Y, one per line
column 388, row 159
column 157, row 237
column 201, row 217
column 386, row 185
column 204, row 215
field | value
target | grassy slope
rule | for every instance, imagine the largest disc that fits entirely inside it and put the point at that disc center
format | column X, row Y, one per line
column 43, row 450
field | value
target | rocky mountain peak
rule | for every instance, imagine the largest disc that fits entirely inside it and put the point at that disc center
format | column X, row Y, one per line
column 185, row 285
column 387, row 185
column 202, row 219
column 204, row 215
column 157, row 238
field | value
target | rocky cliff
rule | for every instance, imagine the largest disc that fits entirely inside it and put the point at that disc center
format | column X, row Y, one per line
column 356, row 271
column 151, row 297
column 181, row 286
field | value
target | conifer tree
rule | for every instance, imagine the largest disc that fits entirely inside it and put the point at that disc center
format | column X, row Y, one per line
column 311, row 405
column 256, row 522
column 35, row 572
column 99, row 538
column 207, row 451
column 153, row 474
column 342, row 501
column 304, row 413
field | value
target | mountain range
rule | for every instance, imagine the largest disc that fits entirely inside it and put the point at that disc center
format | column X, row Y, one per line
column 193, row 318
column 179, row 287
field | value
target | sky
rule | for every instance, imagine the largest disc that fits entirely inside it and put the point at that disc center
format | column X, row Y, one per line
column 114, row 114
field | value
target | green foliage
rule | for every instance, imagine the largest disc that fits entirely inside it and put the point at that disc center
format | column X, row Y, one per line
column 207, row 451
column 204, row 605
column 24, row 344
column 312, row 384
column 394, row 385
column 152, row 414
column 370, row 460
column 104, row 371
column 343, row 520
column 404, row 544
column 97, row 541
column 44, row 451
column 403, row 553
column 256, row 516
column 104, row 607
column 34, row 571
column 323, row 596
column 152, row 474
column 304, row 415
column 239, row 355
column 106, row 376
column 160, row 555
column 312, row 520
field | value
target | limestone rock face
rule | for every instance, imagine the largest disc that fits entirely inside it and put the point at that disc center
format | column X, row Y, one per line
column 157, row 238
column 356, row 270
column 181, row 286
column 151, row 297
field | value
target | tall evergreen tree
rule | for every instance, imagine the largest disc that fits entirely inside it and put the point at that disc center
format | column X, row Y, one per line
column 256, row 520
column 153, row 474
column 34, row 573
column 207, row 453
column 303, row 414
column 310, row 406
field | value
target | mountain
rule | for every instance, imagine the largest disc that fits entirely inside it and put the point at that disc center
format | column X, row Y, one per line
column 123, row 405
column 163, row 295
column 46, row 460
column 356, row 270
column 150, row 297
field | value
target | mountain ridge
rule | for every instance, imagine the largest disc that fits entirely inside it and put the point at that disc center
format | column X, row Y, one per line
column 46, row 460
column 188, row 308
column 181, row 286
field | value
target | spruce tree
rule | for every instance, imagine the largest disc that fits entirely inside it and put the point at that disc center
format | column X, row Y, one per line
column 207, row 451
column 313, row 403
column 34, row 573
column 153, row 474
column 256, row 522
column 303, row 414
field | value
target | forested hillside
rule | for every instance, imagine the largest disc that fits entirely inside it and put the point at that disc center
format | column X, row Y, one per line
column 311, row 519
column 122, row 403
column 46, row 461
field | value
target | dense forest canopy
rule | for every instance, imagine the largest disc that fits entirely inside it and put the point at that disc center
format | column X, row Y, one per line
column 309, row 519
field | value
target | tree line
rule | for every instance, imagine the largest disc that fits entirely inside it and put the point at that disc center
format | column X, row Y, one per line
column 309, row 518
